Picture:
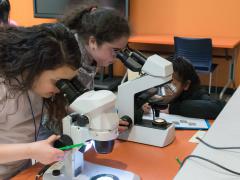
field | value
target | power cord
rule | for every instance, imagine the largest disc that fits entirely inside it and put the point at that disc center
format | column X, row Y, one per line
column 210, row 161
column 215, row 147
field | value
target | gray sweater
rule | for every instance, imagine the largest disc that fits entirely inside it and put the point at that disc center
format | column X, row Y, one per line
column 87, row 71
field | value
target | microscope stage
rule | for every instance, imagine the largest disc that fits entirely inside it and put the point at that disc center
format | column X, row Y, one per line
column 92, row 171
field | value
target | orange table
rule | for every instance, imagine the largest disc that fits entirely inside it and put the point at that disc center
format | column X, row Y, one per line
column 148, row 162
column 217, row 42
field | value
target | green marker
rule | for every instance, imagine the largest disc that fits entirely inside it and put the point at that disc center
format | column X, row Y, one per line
column 179, row 162
column 71, row 146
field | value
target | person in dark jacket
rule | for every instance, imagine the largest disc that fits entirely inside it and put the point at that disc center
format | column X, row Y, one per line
column 189, row 98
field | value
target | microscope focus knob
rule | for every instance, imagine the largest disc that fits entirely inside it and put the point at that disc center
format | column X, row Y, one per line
column 80, row 120
column 56, row 172
column 64, row 140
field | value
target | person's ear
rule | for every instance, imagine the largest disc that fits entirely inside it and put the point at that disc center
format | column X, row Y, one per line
column 187, row 85
column 92, row 43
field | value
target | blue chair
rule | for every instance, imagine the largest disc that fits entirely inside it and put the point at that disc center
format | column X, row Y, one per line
column 199, row 52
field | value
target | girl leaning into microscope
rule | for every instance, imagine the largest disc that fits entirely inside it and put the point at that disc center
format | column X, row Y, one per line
column 100, row 33
column 189, row 98
column 31, row 61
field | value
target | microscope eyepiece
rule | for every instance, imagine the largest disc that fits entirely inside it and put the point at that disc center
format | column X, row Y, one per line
column 71, row 88
column 129, row 62
column 67, row 89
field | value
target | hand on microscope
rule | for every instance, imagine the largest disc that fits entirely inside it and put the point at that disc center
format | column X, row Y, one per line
column 44, row 152
column 167, row 94
column 146, row 108
column 125, row 123
column 164, row 100
column 123, row 126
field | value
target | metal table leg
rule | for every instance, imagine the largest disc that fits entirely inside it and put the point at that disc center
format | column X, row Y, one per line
column 231, row 71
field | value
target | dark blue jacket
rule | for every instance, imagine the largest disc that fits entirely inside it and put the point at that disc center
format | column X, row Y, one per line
column 197, row 104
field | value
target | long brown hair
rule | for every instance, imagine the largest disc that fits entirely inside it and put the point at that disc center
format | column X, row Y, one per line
column 33, row 50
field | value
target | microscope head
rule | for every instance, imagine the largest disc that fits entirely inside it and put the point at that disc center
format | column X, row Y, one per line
column 99, row 108
column 154, row 71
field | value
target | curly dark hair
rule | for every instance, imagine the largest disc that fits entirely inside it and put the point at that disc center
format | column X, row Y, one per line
column 105, row 24
column 27, row 52
column 4, row 11
column 185, row 71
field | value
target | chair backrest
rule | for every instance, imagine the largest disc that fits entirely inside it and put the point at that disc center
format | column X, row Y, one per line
column 197, row 50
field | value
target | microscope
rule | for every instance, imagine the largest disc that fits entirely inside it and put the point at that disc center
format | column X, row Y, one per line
column 94, row 120
column 155, row 72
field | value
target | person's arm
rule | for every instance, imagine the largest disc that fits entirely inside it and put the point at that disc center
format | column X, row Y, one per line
column 205, row 109
column 42, row 151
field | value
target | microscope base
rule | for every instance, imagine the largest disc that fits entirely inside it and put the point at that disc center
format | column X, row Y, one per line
column 150, row 135
column 91, row 172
